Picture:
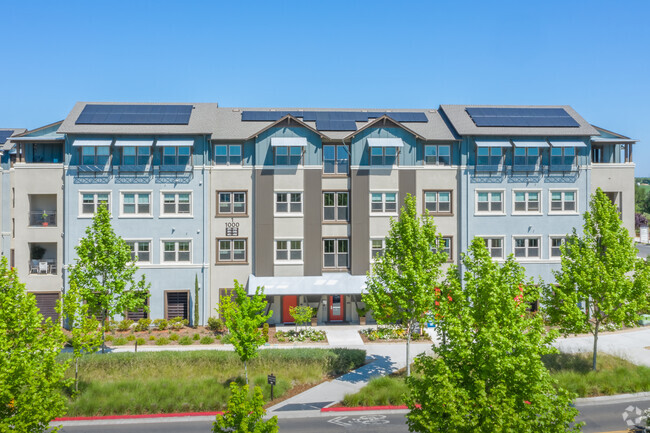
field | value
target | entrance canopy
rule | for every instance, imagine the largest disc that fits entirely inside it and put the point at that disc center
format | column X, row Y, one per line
column 338, row 283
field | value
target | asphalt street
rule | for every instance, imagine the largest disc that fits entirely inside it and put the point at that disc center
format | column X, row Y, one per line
column 644, row 250
column 598, row 416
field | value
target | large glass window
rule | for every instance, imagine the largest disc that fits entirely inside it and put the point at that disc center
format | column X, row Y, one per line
column 383, row 202
column 231, row 250
column 95, row 155
column 336, row 159
column 437, row 201
column 383, row 155
column 176, row 251
column 563, row 157
column 376, row 248
column 288, row 155
column 527, row 248
column 526, row 157
column 176, row 155
column 231, row 202
column 335, row 253
column 556, row 244
column 228, row 154
column 489, row 156
column 489, row 201
column 136, row 155
column 90, row 202
column 136, row 203
column 288, row 202
column 335, row 206
column 437, row 154
column 140, row 251
column 527, row 201
column 177, row 203
column 495, row 247
column 288, row 251
column 563, row 201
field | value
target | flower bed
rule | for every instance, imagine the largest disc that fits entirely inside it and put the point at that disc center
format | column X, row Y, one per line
column 302, row 335
column 390, row 334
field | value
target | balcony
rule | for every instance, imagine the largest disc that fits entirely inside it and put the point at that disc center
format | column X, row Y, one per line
column 42, row 259
column 42, row 210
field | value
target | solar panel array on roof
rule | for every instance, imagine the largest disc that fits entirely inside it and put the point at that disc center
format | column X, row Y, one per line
column 4, row 135
column 332, row 120
column 94, row 114
column 526, row 117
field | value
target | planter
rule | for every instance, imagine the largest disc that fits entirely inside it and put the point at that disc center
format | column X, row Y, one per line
column 362, row 320
column 45, row 223
column 314, row 321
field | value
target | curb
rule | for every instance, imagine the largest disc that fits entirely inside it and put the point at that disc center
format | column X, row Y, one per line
column 156, row 415
column 362, row 408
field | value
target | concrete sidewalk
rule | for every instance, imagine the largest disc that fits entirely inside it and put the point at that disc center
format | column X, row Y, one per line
column 629, row 345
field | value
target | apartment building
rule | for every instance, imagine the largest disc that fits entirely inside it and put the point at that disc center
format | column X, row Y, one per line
column 299, row 200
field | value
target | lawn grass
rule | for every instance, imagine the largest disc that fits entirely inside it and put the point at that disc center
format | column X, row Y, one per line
column 196, row 381
column 572, row 371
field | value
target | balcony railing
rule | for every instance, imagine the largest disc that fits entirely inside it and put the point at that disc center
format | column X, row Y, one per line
column 42, row 218
column 42, row 266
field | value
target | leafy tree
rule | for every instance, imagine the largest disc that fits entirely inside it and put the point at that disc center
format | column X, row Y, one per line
column 301, row 314
column 196, row 301
column 244, row 415
column 30, row 375
column 402, row 284
column 105, row 273
column 641, row 199
column 601, row 268
column 243, row 316
column 487, row 375
column 85, row 330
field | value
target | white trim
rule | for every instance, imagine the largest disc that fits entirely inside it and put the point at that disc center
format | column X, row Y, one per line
column 92, row 143
column 288, row 141
column 161, row 212
column 540, row 202
column 134, row 143
column 138, row 240
column 527, row 259
column 385, row 142
column 80, row 213
column 490, row 190
column 503, row 245
column 288, row 213
column 171, row 142
column 336, row 240
column 383, row 203
column 289, row 261
column 176, row 241
column 383, row 244
column 121, row 213
column 550, row 247
column 562, row 212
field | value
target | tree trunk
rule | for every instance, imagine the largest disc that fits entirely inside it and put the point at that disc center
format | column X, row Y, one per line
column 408, row 350
column 76, row 374
column 104, row 331
column 593, row 367
column 246, row 371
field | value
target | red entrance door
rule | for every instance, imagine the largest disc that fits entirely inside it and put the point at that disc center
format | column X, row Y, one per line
column 336, row 308
column 288, row 302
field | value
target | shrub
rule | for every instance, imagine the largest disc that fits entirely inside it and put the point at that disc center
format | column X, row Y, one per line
column 173, row 337
column 119, row 341
column 143, row 325
column 162, row 341
column 346, row 359
column 124, row 325
column 110, row 325
column 140, row 341
column 130, row 337
column 161, row 324
column 109, row 338
column 216, row 325
column 196, row 337
column 185, row 340
column 265, row 332
column 225, row 339
column 177, row 323
column 152, row 338
column 207, row 340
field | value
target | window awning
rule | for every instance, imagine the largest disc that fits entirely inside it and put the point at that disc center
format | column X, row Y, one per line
column 493, row 143
column 164, row 142
column 530, row 143
column 574, row 143
column 134, row 143
column 288, row 141
column 93, row 142
column 385, row 142
column 339, row 283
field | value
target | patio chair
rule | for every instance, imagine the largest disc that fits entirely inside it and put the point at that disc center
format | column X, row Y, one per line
column 42, row 267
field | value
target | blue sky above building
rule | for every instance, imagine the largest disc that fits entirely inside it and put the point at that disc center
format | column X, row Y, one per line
column 590, row 55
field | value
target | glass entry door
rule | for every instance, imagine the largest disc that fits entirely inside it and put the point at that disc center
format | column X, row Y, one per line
column 336, row 308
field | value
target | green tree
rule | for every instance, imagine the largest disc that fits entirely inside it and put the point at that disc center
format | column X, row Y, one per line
column 301, row 314
column 196, row 301
column 641, row 199
column 31, row 378
column 245, row 415
column 85, row 329
column 401, row 286
column 243, row 316
column 600, row 268
column 487, row 374
column 105, row 273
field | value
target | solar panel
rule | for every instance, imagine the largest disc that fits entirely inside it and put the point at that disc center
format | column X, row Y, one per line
column 336, row 125
column 408, row 117
column 94, row 114
column 4, row 135
column 522, row 117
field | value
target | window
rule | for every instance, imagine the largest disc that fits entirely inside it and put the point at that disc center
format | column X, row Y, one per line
column 376, row 248
column 489, row 156
column 176, row 251
column 136, row 203
column 177, row 203
column 383, row 155
column 231, row 203
column 90, row 201
column 336, row 159
column 437, row 201
column 489, row 201
column 140, row 251
column 288, row 251
column 526, row 201
column 563, row 201
column 556, row 244
column 445, row 247
column 527, row 248
column 526, row 157
column 288, row 202
column 227, row 154
column 437, row 154
column 495, row 247
column 563, row 157
column 176, row 155
column 335, row 206
column 95, row 155
column 383, row 202
column 335, row 253
column 231, row 250
column 136, row 155
column 288, row 155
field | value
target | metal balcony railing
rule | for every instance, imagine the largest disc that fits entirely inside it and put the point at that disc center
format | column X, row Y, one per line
column 42, row 266
column 42, row 218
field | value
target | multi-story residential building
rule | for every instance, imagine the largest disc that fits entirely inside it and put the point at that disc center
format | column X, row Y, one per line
column 299, row 200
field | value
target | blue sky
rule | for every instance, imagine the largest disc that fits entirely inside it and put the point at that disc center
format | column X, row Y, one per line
column 592, row 55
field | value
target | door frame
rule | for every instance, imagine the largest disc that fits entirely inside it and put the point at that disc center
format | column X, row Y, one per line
column 329, row 308
column 189, row 302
